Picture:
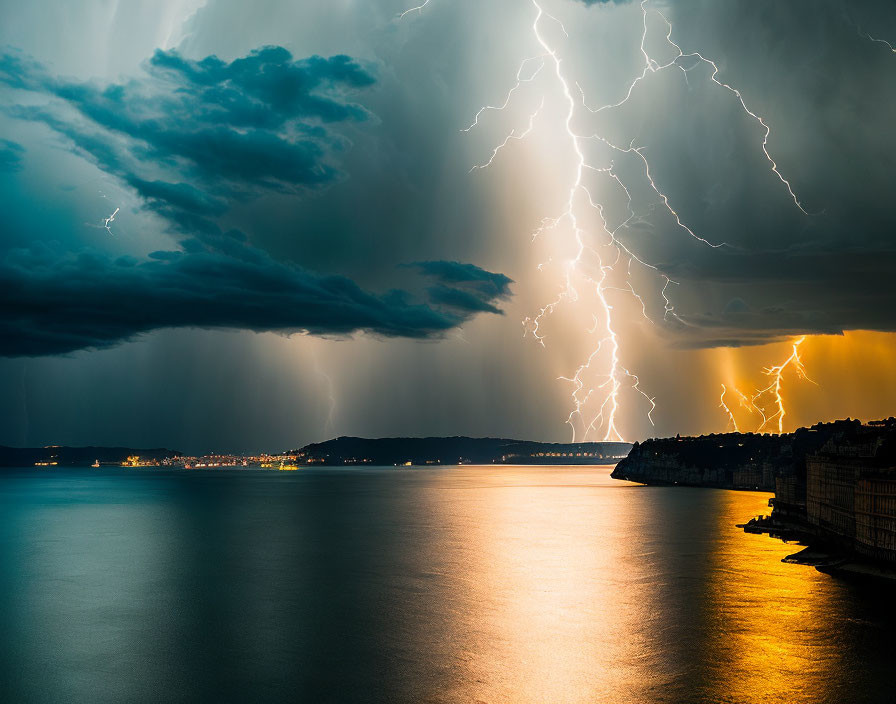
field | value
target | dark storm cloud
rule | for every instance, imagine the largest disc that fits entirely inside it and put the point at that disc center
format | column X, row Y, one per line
column 192, row 137
column 252, row 123
column 10, row 155
column 460, row 300
column 220, row 132
column 51, row 304
column 465, row 287
column 266, row 88
column 825, row 90
column 188, row 209
column 794, row 292
column 467, row 275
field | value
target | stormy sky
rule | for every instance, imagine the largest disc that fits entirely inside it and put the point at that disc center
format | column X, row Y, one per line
column 300, row 249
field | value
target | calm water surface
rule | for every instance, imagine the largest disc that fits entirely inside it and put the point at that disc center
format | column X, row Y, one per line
column 416, row 585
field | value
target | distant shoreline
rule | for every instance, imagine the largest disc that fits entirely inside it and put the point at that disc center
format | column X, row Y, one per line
column 257, row 468
column 342, row 451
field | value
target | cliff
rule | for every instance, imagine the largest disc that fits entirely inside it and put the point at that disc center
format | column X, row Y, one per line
column 729, row 460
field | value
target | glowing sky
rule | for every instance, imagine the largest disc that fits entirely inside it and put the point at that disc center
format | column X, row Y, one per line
column 315, row 176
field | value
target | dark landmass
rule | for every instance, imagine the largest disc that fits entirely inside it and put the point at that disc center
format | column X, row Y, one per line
column 457, row 450
column 339, row 451
column 76, row 456
column 726, row 460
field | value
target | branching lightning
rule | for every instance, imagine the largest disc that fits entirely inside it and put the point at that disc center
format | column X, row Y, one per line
column 651, row 66
column 776, row 373
column 107, row 222
column 599, row 269
column 609, row 384
column 768, row 401
column 513, row 135
column 519, row 82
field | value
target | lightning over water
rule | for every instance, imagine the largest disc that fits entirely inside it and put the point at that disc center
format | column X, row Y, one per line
column 592, row 262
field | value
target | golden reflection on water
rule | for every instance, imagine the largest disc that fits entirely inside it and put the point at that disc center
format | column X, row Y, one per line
column 553, row 606
column 769, row 623
column 544, row 590
column 608, row 594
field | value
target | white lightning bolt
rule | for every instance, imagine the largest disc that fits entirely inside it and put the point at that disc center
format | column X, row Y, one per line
column 768, row 402
column 879, row 41
column 862, row 33
column 512, row 135
column 606, row 417
column 651, row 66
column 598, row 286
column 417, row 9
column 109, row 220
column 774, row 389
column 519, row 82
column 732, row 422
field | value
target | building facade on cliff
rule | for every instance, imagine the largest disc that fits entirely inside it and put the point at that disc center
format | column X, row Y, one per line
column 851, row 491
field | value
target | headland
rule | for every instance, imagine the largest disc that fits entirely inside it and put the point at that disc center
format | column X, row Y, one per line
column 834, row 486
